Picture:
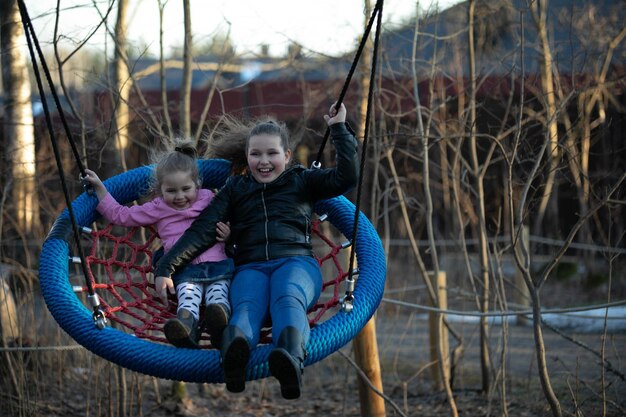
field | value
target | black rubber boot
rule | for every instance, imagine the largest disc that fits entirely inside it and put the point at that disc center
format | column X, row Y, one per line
column 235, row 354
column 182, row 331
column 287, row 362
column 216, row 317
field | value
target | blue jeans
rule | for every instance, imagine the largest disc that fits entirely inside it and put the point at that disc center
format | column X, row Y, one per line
column 285, row 288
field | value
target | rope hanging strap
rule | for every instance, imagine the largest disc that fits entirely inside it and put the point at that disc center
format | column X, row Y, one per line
column 377, row 11
column 98, row 316
column 347, row 301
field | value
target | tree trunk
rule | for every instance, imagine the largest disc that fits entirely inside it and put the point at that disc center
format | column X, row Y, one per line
column 444, row 167
column 18, row 132
column 365, row 65
column 185, row 88
column 547, row 84
column 540, row 351
column 483, row 250
column 164, row 100
column 123, row 84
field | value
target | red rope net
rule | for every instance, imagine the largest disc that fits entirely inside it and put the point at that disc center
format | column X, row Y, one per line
column 119, row 266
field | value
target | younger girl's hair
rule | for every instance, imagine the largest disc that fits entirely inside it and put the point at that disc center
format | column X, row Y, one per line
column 229, row 139
column 179, row 156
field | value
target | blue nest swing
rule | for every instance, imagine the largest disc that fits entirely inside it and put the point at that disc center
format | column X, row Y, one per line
column 201, row 365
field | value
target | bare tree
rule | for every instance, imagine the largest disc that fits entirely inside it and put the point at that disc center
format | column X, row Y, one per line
column 185, row 88
column 122, row 83
column 497, row 129
column 478, row 172
column 20, row 175
column 591, row 105
column 463, row 151
column 162, row 70
column 539, row 10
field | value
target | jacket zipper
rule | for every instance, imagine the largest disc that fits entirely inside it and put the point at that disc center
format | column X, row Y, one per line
column 267, row 239
column 307, row 229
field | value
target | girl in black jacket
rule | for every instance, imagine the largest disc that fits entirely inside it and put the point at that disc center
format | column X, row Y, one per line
column 269, row 210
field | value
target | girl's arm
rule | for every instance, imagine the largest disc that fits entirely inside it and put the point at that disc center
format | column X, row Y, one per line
column 113, row 212
column 331, row 182
column 136, row 215
column 92, row 178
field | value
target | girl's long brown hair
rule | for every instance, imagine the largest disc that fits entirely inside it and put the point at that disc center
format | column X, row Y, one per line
column 229, row 139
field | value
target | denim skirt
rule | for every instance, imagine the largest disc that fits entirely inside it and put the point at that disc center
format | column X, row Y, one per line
column 206, row 272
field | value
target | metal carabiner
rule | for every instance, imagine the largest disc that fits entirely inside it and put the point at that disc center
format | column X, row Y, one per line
column 347, row 301
column 99, row 319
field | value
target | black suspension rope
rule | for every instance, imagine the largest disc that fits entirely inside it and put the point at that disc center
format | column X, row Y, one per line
column 377, row 9
column 348, row 298
column 31, row 38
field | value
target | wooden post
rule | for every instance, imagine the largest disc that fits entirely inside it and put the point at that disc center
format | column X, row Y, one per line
column 366, row 356
column 438, row 334
column 521, row 292
column 365, row 344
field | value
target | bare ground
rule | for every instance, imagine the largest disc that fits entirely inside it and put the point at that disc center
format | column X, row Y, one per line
column 76, row 383
column 58, row 388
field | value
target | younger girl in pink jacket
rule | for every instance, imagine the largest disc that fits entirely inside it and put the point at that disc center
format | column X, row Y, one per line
column 179, row 201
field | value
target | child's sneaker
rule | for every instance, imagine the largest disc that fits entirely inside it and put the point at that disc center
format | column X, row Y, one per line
column 182, row 330
column 216, row 318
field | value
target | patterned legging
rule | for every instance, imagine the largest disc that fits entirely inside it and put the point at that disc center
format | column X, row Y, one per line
column 190, row 295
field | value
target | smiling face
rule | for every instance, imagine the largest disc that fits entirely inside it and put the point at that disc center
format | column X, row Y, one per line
column 179, row 190
column 267, row 157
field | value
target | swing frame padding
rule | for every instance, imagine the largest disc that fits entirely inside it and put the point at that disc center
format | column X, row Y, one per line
column 199, row 365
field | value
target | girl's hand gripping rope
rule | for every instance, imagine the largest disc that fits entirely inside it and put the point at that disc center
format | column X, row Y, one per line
column 336, row 114
column 92, row 180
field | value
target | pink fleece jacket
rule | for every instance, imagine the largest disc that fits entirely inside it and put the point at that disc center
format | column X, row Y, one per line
column 169, row 222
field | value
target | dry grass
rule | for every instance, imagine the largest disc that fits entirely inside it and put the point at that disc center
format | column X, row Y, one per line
column 77, row 383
